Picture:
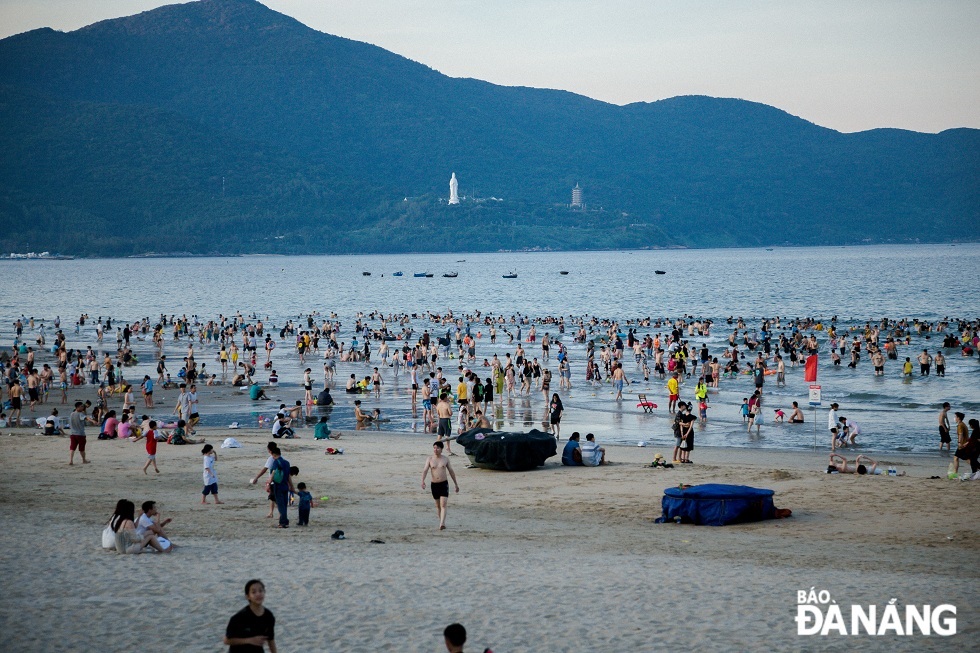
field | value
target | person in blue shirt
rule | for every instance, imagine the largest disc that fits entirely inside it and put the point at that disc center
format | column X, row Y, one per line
column 305, row 503
column 282, row 485
column 571, row 455
column 147, row 391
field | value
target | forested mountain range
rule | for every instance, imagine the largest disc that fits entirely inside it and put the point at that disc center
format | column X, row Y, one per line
column 224, row 127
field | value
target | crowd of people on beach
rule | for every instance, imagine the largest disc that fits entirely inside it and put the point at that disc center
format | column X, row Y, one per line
column 442, row 368
column 446, row 380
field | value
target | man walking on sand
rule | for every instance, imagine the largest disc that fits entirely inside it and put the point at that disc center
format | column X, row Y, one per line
column 77, row 421
column 439, row 464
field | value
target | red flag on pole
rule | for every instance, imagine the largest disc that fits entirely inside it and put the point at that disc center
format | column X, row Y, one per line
column 810, row 373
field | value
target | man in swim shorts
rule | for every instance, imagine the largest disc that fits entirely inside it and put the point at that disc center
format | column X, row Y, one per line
column 944, row 438
column 439, row 465
column 445, row 413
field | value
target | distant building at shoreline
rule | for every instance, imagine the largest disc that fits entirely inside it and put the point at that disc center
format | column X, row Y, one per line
column 577, row 197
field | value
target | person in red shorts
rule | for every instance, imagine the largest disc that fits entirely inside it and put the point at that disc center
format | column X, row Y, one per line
column 77, row 420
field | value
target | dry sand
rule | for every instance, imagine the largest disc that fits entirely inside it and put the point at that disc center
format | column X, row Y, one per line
column 556, row 559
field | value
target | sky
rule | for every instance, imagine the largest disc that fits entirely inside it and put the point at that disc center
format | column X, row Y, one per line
column 850, row 65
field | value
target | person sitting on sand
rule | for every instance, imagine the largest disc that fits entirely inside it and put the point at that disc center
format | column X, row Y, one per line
column 52, row 425
column 255, row 392
column 481, row 421
column 592, row 454
column 149, row 522
column 322, row 430
column 281, row 428
column 324, row 399
column 571, row 455
column 124, row 526
column 179, row 435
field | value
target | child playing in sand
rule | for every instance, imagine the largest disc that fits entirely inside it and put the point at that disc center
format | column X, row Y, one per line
column 305, row 503
column 210, row 474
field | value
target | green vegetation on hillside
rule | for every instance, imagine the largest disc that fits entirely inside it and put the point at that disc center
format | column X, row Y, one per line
column 224, row 127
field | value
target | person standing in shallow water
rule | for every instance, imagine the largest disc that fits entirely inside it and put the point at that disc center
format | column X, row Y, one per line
column 556, row 409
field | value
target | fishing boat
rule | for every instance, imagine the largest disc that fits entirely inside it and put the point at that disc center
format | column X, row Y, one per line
column 397, row 274
column 366, row 274
column 563, row 272
column 659, row 272
column 512, row 275
column 427, row 275
column 451, row 275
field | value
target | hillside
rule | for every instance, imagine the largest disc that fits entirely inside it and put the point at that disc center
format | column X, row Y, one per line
column 224, row 127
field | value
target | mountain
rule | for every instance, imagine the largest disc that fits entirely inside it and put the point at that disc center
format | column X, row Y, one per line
column 222, row 126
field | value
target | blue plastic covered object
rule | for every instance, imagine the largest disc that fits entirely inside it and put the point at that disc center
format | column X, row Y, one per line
column 715, row 504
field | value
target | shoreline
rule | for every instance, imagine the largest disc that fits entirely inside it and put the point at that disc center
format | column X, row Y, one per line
column 673, row 248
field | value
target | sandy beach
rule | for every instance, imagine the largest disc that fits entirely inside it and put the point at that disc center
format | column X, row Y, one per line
column 557, row 559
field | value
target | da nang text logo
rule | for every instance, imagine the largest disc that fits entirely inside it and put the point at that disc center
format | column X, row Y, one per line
column 818, row 614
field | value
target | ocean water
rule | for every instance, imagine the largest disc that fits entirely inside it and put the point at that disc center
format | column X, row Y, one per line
column 855, row 284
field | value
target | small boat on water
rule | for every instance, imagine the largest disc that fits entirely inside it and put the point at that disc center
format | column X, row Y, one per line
column 659, row 272
column 427, row 275
column 396, row 274
column 563, row 272
column 366, row 274
column 451, row 275
column 462, row 260
column 512, row 275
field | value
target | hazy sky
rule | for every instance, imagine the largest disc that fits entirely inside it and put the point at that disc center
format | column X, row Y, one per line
column 845, row 64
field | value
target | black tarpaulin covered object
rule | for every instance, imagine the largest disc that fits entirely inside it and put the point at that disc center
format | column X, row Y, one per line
column 513, row 452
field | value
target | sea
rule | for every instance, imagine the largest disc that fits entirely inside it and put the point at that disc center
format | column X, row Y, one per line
column 854, row 284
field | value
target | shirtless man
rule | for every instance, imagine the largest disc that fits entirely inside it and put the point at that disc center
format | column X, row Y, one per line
column 439, row 465
column 925, row 362
column 16, row 401
column 962, row 438
column 944, row 427
column 618, row 379
column 796, row 417
column 445, row 413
